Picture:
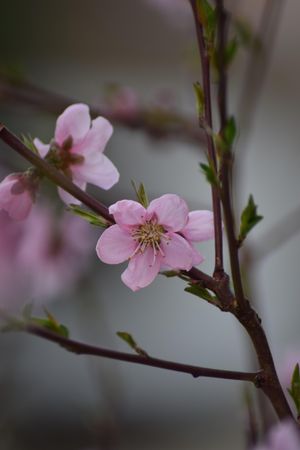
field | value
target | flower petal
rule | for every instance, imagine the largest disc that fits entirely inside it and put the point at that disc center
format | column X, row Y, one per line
column 178, row 253
column 96, row 137
column 115, row 245
column 42, row 148
column 68, row 198
column 20, row 206
column 97, row 169
column 141, row 270
column 171, row 211
column 197, row 257
column 75, row 121
column 200, row 226
column 128, row 213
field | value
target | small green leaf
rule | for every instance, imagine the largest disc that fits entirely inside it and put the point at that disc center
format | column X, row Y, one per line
column 294, row 391
column 141, row 194
column 28, row 142
column 229, row 132
column 230, row 51
column 207, row 17
column 170, row 273
column 199, row 98
column 203, row 293
column 92, row 218
column 51, row 324
column 210, row 174
column 127, row 337
column 249, row 219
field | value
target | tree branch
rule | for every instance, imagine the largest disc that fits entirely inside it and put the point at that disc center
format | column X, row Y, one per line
column 173, row 126
column 86, row 349
column 204, row 56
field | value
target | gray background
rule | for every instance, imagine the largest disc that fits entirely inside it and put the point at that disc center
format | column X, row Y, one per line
column 57, row 400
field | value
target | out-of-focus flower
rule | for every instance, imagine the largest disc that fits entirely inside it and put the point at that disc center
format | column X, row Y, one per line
column 122, row 101
column 160, row 236
column 53, row 253
column 77, row 150
column 17, row 194
column 11, row 280
column 284, row 436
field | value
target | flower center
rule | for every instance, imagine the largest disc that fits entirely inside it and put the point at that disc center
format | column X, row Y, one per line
column 149, row 234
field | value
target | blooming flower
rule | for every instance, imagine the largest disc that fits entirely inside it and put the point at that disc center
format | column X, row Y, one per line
column 17, row 194
column 77, row 150
column 284, row 436
column 159, row 236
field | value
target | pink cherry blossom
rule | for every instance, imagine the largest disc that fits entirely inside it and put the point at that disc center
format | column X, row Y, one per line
column 284, row 436
column 17, row 194
column 123, row 102
column 77, row 150
column 159, row 236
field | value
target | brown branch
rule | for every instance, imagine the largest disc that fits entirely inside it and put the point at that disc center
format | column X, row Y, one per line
column 81, row 348
column 204, row 56
column 53, row 174
column 243, row 310
column 174, row 124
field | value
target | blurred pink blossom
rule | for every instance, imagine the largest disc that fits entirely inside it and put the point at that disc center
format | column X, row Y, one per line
column 53, row 253
column 123, row 101
column 17, row 194
column 284, row 436
column 78, row 148
column 158, row 237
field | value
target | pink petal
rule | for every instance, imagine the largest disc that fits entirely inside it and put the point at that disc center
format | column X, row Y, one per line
column 21, row 206
column 128, row 213
column 141, row 270
column 68, row 198
column 170, row 210
column 115, row 245
column 18, row 206
column 74, row 122
column 177, row 251
column 96, row 137
column 42, row 148
column 200, row 226
column 97, row 169
column 197, row 257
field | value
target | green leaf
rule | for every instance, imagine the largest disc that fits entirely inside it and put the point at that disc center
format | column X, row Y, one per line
column 141, row 194
column 127, row 337
column 203, row 293
column 210, row 174
column 294, row 391
column 51, row 324
column 230, row 51
column 249, row 219
column 229, row 132
column 92, row 218
column 170, row 273
column 28, row 142
column 207, row 17
column 199, row 98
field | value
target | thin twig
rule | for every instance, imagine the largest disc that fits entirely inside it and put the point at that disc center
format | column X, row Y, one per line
column 53, row 174
column 204, row 56
column 86, row 349
column 174, row 124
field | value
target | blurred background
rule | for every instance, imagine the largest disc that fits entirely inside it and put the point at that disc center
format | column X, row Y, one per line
column 89, row 51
